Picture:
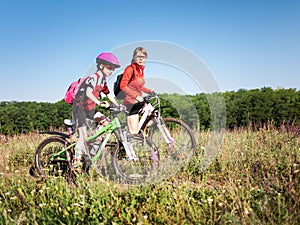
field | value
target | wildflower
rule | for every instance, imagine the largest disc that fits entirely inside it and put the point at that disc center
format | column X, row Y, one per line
column 248, row 210
column 210, row 200
column 20, row 190
column 66, row 213
column 82, row 202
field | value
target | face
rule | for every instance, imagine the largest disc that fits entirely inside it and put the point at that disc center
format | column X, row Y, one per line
column 108, row 70
column 140, row 58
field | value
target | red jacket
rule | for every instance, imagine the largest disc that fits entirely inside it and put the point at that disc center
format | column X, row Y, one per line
column 136, row 86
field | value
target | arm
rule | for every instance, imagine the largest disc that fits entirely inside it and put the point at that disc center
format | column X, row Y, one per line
column 89, row 94
column 146, row 90
column 111, row 98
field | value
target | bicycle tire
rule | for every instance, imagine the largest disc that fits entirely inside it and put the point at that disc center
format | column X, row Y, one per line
column 136, row 172
column 43, row 165
column 184, row 140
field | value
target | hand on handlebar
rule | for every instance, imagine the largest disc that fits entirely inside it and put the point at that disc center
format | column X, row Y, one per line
column 150, row 96
column 118, row 108
column 122, row 108
column 139, row 99
column 153, row 93
column 105, row 104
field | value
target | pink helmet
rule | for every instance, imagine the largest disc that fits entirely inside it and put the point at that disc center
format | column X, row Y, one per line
column 108, row 58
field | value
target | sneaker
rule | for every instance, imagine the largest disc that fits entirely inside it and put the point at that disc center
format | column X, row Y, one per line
column 132, row 158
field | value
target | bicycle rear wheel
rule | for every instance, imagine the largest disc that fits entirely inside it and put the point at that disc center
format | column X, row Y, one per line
column 140, row 171
column 55, row 167
column 183, row 144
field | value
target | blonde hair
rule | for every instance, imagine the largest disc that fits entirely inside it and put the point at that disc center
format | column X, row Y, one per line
column 135, row 52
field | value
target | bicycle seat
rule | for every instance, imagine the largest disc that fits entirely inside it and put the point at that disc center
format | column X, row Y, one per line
column 68, row 122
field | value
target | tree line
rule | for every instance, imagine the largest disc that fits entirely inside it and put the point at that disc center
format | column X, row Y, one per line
column 243, row 108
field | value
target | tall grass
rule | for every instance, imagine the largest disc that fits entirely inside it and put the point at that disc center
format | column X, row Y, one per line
column 254, row 180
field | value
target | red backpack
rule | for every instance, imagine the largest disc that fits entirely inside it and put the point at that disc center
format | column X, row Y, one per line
column 73, row 89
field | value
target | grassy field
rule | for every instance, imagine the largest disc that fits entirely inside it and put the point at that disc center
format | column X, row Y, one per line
column 254, row 180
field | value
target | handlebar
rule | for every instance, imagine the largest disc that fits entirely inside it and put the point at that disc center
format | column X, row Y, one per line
column 118, row 109
column 122, row 108
column 150, row 96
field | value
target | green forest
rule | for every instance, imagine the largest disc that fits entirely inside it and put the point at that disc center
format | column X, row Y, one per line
column 244, row 108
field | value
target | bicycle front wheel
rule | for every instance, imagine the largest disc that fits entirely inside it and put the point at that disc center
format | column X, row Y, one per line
column 137, row 171
column 174, row 139
column 45, row 165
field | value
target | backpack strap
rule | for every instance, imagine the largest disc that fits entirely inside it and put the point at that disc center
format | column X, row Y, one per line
column 98, row 76
column 131, row 75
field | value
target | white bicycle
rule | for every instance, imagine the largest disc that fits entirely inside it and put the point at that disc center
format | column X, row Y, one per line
column 173, row 143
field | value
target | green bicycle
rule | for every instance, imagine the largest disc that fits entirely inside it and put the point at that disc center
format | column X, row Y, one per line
column 133, row 159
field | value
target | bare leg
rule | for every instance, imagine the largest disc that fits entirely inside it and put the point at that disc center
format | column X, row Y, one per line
column 80, row 146
column 133, row 122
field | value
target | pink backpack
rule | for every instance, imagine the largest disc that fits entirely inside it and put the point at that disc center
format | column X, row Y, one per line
column 73, row 89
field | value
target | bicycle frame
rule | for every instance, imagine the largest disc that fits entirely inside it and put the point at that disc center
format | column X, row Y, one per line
column 149, row 113
column 109, row 129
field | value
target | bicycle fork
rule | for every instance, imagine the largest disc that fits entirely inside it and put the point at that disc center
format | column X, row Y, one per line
column 128, row 146
column 122, row 137
column 165, row 132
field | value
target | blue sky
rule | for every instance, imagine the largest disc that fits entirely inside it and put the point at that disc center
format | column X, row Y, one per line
column 45, row 45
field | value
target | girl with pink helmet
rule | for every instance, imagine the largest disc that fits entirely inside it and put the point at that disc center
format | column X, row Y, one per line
column 86, row 100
